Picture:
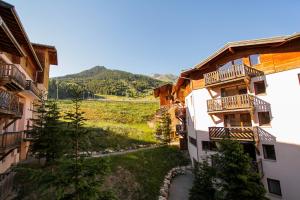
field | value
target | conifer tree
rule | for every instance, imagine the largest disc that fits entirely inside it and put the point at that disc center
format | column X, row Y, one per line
column 203, row 187
column 84, row 176
column 46, row 131
column 237, row 178
column 163, row 127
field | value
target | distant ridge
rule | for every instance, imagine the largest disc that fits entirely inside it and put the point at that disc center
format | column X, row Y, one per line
column 101, row 80
column 170, row 78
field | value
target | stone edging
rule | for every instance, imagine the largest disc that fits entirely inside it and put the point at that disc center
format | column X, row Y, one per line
column 164, row 189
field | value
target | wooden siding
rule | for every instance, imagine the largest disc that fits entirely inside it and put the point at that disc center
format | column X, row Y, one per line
column 272, row 60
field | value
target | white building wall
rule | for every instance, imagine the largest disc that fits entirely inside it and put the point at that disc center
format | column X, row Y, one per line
column 282, row 99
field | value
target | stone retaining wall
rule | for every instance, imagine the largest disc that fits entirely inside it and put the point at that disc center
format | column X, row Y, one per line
column 176, row 171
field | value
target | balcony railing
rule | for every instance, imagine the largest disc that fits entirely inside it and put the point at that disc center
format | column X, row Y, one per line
column 9, row 104
column 6, row 184
column 180, row 113
column 12, row 77
column 181, row 129
column 33, row 88
column 230, row 74
column 235, row 133
column 10, row 140
column 237, row 102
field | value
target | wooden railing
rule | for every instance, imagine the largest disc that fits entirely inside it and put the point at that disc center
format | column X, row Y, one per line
column 9, row 103
column 33, row 88
column 10, row 140
column 235, row 133
column 10, row 72
column 243, row 101
column 230, row 73
column 180, row 113
column 6, row 184
column 181, row 129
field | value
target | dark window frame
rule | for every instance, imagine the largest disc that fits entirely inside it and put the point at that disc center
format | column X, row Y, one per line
column 266, row 121
column 209, row 146
column 193, row 141
column 256, row 85
column 266, row 152
column 269, row 180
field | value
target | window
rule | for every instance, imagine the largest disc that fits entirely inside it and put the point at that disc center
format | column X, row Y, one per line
column 259, row 87
column 209, row 146
column 264, row 118
column 238, row 61
column 193, row 141
column 254, row 59
column 269, row 151
column 274, row 186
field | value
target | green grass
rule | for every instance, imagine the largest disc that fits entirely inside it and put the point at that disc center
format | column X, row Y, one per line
column 117, row 124
column 147, row 169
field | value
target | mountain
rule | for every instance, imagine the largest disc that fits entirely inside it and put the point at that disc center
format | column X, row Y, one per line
column 101, row 80
column 170, row 78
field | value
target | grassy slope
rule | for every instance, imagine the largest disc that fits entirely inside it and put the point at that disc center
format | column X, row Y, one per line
column 116, row 124
column 148, row 168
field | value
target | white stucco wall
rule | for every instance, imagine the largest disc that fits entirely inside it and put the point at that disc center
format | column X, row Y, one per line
column 282, row 99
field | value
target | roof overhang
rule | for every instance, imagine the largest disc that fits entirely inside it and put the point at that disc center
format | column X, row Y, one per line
column 51, row 50
column 12, row 20
column 8, row 42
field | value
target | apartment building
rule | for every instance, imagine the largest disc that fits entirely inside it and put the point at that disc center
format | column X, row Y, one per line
column 24, row 74
column 249, row 91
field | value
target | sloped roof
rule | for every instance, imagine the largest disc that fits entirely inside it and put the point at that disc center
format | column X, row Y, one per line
column 12, row 20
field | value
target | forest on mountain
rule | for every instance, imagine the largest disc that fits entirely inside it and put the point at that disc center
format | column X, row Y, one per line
column 102, row 81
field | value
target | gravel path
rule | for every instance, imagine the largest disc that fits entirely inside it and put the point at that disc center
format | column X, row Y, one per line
column 123, row 152
column 180, row 186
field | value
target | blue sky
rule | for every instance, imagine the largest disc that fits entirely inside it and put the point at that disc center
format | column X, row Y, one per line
column 153, row 36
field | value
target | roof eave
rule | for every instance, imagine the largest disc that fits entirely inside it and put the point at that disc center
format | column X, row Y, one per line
column 11, row 37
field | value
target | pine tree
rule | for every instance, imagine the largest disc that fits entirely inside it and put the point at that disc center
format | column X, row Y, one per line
column 84, row 176
column 163, row 127
column 236, row 176
column 46, row 131
column 203, row 187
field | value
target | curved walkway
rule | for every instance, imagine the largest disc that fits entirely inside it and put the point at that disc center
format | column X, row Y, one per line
column 180, row 186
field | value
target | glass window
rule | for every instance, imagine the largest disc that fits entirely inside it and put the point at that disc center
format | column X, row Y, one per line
column 274, row 186
column 269, row 151
column 238, row 61
column 254, row 59
column 259, row 87
column 264, row 118
column 209, row 146
column 193, row 141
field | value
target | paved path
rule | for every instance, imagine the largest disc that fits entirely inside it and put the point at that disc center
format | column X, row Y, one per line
column 123, row 152
column 180, row 186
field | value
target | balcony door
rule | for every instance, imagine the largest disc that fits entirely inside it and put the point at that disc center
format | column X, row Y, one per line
column 237, row 120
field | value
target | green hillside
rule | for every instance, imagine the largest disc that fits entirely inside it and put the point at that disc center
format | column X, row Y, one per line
column 103, row 81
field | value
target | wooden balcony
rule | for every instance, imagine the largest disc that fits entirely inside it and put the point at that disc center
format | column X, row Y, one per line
column 180, row 113
column 181, row 129
column 6, row 184
column 229, row 104
column 11, row 77
column 236, row 133
column 10, row 140
column 10, row 105
column 32, row 88
column 230, row 74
